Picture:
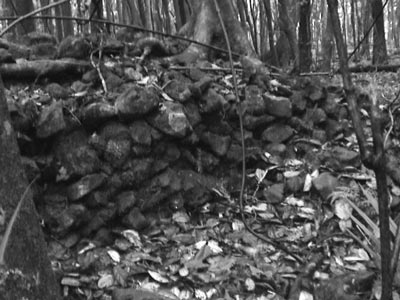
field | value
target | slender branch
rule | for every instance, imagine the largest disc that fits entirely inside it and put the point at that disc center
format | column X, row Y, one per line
column 31, row 14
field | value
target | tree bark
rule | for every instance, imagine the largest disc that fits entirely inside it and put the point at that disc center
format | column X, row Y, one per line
column 327, row 44
column 24, row 7
column 379, row 54
column 68, row 27
column 305, row 55
column 365, row 46
column 272, row 49
column 26, row 250
column 204, row 27
column 287, row 27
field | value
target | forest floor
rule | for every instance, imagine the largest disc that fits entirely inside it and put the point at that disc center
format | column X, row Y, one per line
column 324, row 213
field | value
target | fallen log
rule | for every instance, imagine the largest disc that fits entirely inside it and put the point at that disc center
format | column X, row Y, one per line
column 24, row 69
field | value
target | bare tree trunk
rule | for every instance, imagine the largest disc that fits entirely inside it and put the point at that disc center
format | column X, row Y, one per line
column 59, row 29
column 272, row 49
column 167, row 17
column 367, row 21
column 305, row 37
column 248, row 19
column 142, row 12
column 24, row 7
column 68, row 26
column 379, row 54
column 204, row 27
column 327, row 43
column 47, row 24
column 353, row 26
column 254, row 22
column 288, row 28
column 25, row 252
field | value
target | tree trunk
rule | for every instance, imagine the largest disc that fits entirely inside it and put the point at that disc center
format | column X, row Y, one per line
column 367, row 21
column 327, row 44
column 287, row 27
column 305, row 37
column 167, row 17
column 68, row 27
column 272, row 49
column 59, row 30
column 353, row 27
column 379, row 54
column 24, row 7
column 26, row 249
column 204, row 27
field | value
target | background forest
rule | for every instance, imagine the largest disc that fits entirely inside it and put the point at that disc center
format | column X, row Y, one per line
column 270, row 25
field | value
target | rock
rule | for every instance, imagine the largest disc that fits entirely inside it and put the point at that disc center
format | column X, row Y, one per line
column 91, row 77
column 193, row 114
column 331, row 105
column 235, row 153
column 280, row 107
column 74, row 156
column 254, row 103
column 211, row 102
column 84, row 186
column 319, row 135
column 117, row 150
column 136, row 171
column 316, row 92
column 274, row 194
column 74, row 47
column 201, row 161
column 113, row 81
column 316, row 115
column 196, row 188
column 73, row 216
column 332, row 128
column 218, row 144
column 125, row 201
column 97, row 113
column 31, row 168
column 102, row 217
column 141, row 132
column 299, row 102
column 277, row 133
column 253, row 122
column 171, row 120
column 136, row 102
column 135, row 220
column 43, row 51
column 325, row 184
column 160, row 188
column 51, row 120
column 113, row 143
column 276, row 149
column 97, row 199
column 175, row 87
column 338, row 158
column 104, row 237
column 6, row 57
